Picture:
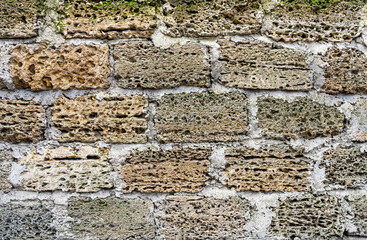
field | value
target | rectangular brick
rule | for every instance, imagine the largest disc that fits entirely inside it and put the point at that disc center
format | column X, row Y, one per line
column 200, row 117
column 109, row 19
column 259, row 65
column 67, row 169
column 302, row 117
column 21, row 121
column 66, row 67
column 113, row 119
column 271, row 168
column 111, row 218
column 192, row 217
column 6, row 160
column 141, row 65
column 212, row 18
column 18, row 18
column 176, row 170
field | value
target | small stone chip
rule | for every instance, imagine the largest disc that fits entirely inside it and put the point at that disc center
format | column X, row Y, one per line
column 6, row 160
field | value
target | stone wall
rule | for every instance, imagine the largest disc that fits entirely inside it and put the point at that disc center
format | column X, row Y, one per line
column 178, row 119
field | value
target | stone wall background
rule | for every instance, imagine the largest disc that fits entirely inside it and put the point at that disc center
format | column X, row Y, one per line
column 183, row 119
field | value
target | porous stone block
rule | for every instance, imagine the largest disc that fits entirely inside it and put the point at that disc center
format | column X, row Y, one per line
column 21, row 121
column 302, row 117
column 111, row 218
column 109, row 19
column 176, row 170
column 67, row 169
column 259, row 65
column 192, row 217
column 142, row 65
column 346, row 167
column 112, row 119
column 18, row 18
column 358, row 204
column 31, row 219
column 6, row 160
column 308, row 217
column 359, row 115
column 271, row 168
column 311, row 21
column 65, row 67
column 201, row 18
column 345, row 71
column 200, row 117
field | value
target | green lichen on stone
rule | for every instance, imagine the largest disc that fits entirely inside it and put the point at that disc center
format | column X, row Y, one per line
column 320, row 4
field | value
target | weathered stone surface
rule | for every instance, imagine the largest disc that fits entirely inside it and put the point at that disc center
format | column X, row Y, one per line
column 66, row 67
column 142, row 65
column 5, row 168
column 191, row 217
column 271, row 168
column 345, row 71
column 198, row 117
column 5, row 56
column 113, row 119
column 259, row 65
column 308, row 217
column 303, row 20
column 300, row 118
column 67, row 169
column 360, row 117
column 111, row 218
column 109, row 19
column 201, row 18
column 27, row 220
column 346, row 167
column 176, row 170
column 18, row 18
column 359, row 206
column 21, row 121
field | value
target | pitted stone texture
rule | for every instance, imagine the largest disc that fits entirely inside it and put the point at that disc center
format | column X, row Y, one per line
column 113, row 119
column 360, row 116
column 176, row 170
column 66, row 67
column 141, row 65
column 67, row 169
column 109, row 19
column 359, row 206
column 6, row 160
column 308, row 217
column 259, row 65
column 21, row 121
column 192, row 217
column 201, row 18
column 200, row 117
column 5, row 56
column 346, row 167
column 18, row 18
column 27, row 220
column 271, row 168
column 337, row 21
column 111, row 218
column 301, row 118
column 345, row 71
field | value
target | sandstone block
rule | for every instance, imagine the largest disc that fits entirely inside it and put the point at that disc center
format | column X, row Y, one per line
column 113, row 119
column 141, row 65
column 27, row 220
column 176, row 170
column 308, row 217
column 199, row 117
column 66, row 67
column 212, row 18
column 271, row 168
column 346, row 167
column 300, row 118
column 111, row 218
column 109, row 19
column 345, row 71
column 67, row 169
column 18, row 19
column 310, row 21
column 359, row 205
column 5, row 168
column 360, row 117
column 21, row 121
column 192, row 217
column 258, row 65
